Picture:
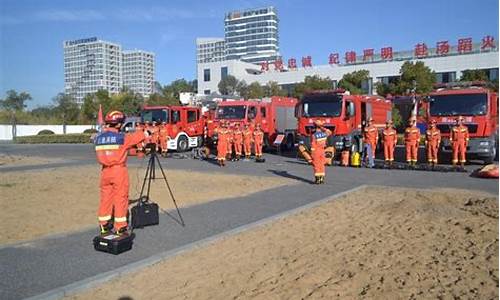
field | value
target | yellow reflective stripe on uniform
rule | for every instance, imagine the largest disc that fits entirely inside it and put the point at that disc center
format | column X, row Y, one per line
column 319, row 174
column 104, row 218
column 122, row 219
column 107, row 147
column 321, row 139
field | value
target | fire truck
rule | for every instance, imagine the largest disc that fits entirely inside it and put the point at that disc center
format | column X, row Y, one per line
column 274, row 114
column 343, row 114
column 478, row 105
column 185, row 125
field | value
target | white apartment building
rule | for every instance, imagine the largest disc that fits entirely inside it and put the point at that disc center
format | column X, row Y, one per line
column 210, row 50
column 139, row 71
column 90, row 65
column 252, row 35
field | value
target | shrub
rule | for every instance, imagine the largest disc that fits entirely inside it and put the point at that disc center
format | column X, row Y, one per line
column 45, row 132
column 75, row 138
column 90, row 130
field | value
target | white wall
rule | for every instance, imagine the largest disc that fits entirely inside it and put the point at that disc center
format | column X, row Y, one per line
column 24, row 130
column 454, row 63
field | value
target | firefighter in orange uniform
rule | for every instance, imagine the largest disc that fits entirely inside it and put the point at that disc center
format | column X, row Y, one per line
column 229, row 134
column 222, row 137
column 258, row 140
column 163, row 136
column 318, row 144
column 140, row 147
column 237, row 141
column 390, row 140
column 247, row 141
column 412, row 140
column 155, row 135
column 370, row 139
column 111, row 150
column 432, row 142
column 459, row 141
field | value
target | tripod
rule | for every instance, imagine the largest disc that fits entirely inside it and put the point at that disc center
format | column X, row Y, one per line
column 151, row 175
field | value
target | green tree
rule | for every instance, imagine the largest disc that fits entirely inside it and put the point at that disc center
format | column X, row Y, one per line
column 14, row 104
column 91, row 103
column 160, row 100
column 66, row 109
column 127, row 101
column 353, row 82
column 255, row 91
column 474, row 75
column 273, row 89
column 385, row 89
column 242, row 89
column 228, row 85
column 419, row 73
column 311, row 83
column 396, row 118
column 172, row 90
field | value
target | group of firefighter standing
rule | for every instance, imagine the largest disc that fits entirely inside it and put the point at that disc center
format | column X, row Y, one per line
column 112, row 146
column 459, row 139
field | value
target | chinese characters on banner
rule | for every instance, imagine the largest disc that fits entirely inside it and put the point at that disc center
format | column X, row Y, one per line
column 307, row 61
column 464, row 45
column 442, row 48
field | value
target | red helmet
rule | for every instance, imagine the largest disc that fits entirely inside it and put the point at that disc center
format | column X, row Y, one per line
column 114, row 117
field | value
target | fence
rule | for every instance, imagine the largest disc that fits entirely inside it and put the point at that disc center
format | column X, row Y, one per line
column 24, row 130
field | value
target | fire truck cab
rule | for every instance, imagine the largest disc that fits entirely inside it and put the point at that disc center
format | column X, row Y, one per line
column 274, row 114
column 344, row 114
column 185, row 124
column 478, row 105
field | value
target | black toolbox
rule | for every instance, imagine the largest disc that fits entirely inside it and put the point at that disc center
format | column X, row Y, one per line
column 144, row 214
column 114, row 244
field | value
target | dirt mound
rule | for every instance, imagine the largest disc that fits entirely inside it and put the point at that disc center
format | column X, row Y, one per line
column 379, row 243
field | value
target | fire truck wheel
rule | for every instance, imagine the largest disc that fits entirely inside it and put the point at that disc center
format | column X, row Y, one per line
column 493, row 154
column 182, row 144
column 289, row 144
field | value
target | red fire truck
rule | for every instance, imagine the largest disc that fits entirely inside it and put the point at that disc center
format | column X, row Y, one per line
column 185, row 124
column 343, row 114
column 275, row 114
column 478, row 105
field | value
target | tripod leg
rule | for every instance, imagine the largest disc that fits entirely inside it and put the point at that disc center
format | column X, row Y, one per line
column 170, row 191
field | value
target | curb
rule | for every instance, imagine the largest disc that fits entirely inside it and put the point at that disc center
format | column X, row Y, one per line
column 90, row 282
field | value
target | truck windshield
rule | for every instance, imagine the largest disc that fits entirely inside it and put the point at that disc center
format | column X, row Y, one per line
column 322, row 105
column 157, row 115
column 454, row 105
column 231, row 112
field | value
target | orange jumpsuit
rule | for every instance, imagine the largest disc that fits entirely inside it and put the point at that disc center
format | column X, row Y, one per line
column 258, row 139
column 139, row 128
column 229, row 143
column 111, row 150
column 318, row 145
column 237, row 141
column 432, row 139
column 412, row 139
column 459, row 140
column 222, row 137
column 370, row 136
column 149, row 128
column 163, row 136
column 390, row 140
column 247, row 142
column 155, row 134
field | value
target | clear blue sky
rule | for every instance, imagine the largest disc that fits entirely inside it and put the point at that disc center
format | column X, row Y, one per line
column 32, row 32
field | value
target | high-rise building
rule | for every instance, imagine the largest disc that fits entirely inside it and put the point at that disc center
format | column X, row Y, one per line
column 210, row 50
column 252, row 35
column 138, row 71
column 92, row 64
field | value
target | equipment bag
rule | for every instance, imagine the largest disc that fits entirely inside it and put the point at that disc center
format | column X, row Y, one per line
column 114, row 244
column 145, row 213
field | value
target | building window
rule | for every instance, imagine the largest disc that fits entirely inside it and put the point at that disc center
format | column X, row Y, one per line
column 206, row 92
column 223, row 72
column 206, row 75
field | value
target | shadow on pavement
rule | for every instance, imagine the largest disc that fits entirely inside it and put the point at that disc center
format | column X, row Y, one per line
column 288, row 175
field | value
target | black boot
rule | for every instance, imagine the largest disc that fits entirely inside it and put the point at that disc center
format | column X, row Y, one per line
column 106, row 228
column 322, row 179
column 122, row 231
column 316, row 180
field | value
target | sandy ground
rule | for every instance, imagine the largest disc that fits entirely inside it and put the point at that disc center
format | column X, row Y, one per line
column 381, row 243
column 17, row 160
column 66, row 199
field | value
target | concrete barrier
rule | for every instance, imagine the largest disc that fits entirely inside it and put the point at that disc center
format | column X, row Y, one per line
column 24, row 130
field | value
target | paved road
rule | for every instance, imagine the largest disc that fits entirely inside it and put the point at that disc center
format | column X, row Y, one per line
column 36, row 267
